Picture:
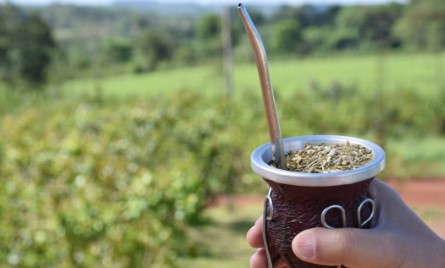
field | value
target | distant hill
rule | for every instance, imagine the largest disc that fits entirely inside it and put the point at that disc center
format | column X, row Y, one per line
column 166, row 8
column 183, row 8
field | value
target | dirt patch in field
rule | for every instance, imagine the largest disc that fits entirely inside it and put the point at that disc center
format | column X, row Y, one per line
column 423, row 192
column 427, row 197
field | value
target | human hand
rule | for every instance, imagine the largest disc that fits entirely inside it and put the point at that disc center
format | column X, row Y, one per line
column 399, row 238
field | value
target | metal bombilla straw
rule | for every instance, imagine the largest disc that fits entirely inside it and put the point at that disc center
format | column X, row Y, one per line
column 271, row 114
column 266, row 88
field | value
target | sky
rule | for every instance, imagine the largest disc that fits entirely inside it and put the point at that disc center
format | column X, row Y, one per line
column 296, row 2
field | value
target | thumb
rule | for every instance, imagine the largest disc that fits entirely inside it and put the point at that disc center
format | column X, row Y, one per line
column 348, row 246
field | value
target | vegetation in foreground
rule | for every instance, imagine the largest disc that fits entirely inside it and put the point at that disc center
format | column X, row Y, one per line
column 117, row 182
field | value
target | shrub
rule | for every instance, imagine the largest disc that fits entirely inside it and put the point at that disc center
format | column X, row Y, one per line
column 109, row 184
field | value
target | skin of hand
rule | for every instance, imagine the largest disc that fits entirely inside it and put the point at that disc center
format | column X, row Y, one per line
column 399, row 239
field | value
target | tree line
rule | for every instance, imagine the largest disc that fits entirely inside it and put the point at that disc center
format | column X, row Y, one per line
column 35, row 43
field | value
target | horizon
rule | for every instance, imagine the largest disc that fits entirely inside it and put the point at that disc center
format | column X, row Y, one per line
column 200, row 2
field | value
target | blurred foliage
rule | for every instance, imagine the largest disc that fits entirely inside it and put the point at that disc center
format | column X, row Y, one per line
column 368, row 27
column 209, row 30
column 118, row 51
column 154, row 47
column 423, row 25
column 94, row 184
column 307, row 15
column 26, row 45
column 287, row 36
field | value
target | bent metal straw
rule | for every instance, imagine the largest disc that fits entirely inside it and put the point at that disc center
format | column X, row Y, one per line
column 266, row 88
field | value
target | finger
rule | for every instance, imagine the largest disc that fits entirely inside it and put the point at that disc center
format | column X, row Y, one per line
column 350, row 247
column 258, row 260
column 254, row 235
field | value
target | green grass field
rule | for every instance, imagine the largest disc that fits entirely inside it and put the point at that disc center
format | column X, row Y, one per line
column 391, row 72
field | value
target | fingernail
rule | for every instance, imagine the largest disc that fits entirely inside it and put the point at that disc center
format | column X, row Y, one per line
column 304, row 245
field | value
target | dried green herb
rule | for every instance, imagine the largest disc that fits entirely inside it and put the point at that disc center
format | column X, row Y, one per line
column 325, row 158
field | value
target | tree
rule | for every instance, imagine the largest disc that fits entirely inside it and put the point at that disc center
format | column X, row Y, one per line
column 155, row 47
column 118, row 50
column 313, row 26
column 366, row 26
column 208, row 31
column 423, row 24
column 26, row 46
column 286, row 36
column 308, row 15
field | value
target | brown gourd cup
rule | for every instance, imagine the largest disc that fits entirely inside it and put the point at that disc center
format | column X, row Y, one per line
column 299, row 201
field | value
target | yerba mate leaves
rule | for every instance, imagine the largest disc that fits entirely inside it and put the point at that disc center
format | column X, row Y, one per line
column 325, row 158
